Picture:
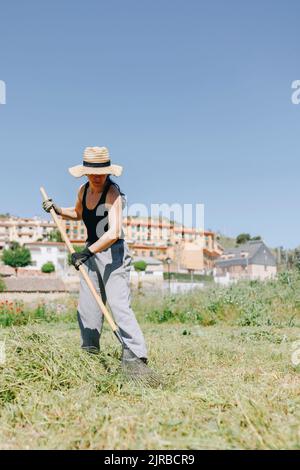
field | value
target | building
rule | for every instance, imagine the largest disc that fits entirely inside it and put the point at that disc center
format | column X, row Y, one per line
column 42, row 252
column 75, row 230
column 188, row 248
column 157, row 230
column 252, row 260
column 24, row 230
column 148, row 249
column 195, row 255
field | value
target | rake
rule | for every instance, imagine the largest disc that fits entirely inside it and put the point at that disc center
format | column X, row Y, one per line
column 132, row 367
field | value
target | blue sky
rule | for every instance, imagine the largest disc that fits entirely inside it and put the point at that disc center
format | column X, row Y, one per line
column 193, row 98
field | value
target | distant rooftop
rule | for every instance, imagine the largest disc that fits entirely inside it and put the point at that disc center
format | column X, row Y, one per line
column 244, row 254
column 250, row 247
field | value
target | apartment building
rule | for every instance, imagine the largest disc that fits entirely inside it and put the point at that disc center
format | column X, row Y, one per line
column 23, row 230
column 75, row 230
column 141, row 229
column 188, row 248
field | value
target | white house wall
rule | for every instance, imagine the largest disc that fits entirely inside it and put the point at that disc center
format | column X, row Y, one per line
column 42, row 254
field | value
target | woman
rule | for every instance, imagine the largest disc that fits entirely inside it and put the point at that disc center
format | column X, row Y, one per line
column 106, row 256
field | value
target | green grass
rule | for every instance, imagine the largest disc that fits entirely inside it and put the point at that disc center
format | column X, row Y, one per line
column 254, row 303
column 226, row 387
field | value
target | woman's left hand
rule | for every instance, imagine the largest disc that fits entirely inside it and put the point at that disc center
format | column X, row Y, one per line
column 77, row 259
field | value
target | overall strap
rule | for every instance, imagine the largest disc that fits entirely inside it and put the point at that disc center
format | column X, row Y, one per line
column 105, row 191
column 84, row 194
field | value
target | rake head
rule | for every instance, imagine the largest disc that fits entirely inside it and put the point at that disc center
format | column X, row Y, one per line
column 136, row 370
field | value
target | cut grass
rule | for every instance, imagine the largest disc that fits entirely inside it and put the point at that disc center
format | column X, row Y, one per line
column 226, row 387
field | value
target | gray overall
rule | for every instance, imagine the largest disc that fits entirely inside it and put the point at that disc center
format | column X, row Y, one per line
column 109, row 271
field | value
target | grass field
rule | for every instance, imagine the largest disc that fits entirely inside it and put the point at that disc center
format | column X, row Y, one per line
column 226, row 355
column 227, row 387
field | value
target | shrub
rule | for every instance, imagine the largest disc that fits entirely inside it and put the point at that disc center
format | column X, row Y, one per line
column 140, row 265
column 48, row 267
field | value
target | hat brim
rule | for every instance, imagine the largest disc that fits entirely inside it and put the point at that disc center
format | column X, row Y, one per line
column 80, row 170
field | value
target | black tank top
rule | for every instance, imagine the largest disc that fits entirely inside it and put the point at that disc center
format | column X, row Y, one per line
column 95, row 220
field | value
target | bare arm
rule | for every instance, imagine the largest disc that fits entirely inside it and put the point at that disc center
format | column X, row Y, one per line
column 74, row 213
column 114, row 205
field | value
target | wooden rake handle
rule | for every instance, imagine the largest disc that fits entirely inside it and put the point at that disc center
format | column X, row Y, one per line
column 82, row 269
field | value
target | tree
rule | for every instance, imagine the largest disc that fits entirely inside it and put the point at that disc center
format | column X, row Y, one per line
column 246, row 237
column 140, row 266
column 242, row 238
column 16, row 256
column 54, row 236
column 48, row 267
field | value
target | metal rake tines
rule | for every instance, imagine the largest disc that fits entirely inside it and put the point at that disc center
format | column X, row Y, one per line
column 134, row 369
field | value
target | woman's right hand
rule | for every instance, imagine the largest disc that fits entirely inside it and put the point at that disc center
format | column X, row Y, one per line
column 49, row 204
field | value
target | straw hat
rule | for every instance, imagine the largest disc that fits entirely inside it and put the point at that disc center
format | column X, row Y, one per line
column 96, row 161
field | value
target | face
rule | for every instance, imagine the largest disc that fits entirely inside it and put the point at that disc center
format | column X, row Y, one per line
column 97, row 181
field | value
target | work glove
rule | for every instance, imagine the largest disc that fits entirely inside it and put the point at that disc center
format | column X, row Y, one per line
column 77, row 259
column 49, row 204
